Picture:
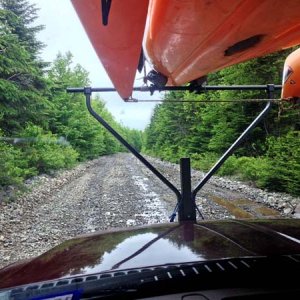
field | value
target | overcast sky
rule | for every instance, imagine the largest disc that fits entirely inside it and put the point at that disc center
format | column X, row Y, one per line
column 63, row 33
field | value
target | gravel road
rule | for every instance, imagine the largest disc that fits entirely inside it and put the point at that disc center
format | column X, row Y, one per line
column 117, row 191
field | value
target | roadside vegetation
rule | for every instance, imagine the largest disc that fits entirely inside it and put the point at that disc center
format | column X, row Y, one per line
column 42, row 128
column 270, row 158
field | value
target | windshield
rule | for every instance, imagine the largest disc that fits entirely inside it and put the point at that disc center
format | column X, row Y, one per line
column 64, row 173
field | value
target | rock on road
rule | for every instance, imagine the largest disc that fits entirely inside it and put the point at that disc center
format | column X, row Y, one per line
column 113, row 191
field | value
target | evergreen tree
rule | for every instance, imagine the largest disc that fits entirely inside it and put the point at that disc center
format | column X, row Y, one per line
column 21, row 16
column 69, row 116
column 21, row 82
column 55, row 128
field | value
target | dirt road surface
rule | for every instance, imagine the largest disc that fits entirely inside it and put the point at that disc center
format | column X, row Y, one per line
column 114, row 191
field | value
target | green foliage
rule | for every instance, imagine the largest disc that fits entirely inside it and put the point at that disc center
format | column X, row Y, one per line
column 206, row 130
column 21, row 15
column 44, row 151
column 69, row 116
column 284, row 163
column 134, row 138
column 34, row 106
column 247, row 168
column 21, row 82
column 277, row 170
column 35, row 109
column 203, row 161
column 13, row 166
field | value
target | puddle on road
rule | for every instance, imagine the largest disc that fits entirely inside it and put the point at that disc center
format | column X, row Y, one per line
column 245, row 208
column 154, row 210
column 266, row 211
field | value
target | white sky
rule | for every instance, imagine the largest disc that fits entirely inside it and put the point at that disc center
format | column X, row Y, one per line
column 63, row 33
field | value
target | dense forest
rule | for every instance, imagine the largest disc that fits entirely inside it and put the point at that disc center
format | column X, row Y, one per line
column 203, row 129
column 42, row 128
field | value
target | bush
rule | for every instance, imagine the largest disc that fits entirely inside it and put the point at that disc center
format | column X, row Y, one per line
column 251, row 168
column 204, row 161
column 45, row 152
column 283, row 170
column 230, row 166
column 13, row 165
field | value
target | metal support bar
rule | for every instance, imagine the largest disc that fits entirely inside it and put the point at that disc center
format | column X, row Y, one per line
column 186, row 199
column 88, row 93
column 152, row 89
column 270, row 90
column 242, row 137
column 187, row 207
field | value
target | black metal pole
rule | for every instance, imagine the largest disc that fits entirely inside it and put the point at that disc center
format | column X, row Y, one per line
column 187, row 207
column 88, row 93
column 231, row 149
column 183, row 88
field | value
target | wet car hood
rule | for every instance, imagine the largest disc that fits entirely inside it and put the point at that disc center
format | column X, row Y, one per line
column 157, row 245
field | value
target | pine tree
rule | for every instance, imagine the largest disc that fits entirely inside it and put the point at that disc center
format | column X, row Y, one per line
column 21, row 16
column 21, row 82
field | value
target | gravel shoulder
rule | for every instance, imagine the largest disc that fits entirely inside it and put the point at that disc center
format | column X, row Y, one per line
column 116, row 191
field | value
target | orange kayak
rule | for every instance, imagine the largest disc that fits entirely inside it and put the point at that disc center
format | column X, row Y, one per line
column 186, row 39
column 119, row 43
column 291, row 76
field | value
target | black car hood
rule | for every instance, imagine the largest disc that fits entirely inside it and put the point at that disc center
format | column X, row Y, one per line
column 157, row 245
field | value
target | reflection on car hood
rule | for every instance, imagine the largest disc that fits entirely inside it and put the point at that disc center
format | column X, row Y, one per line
column 157, row 245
